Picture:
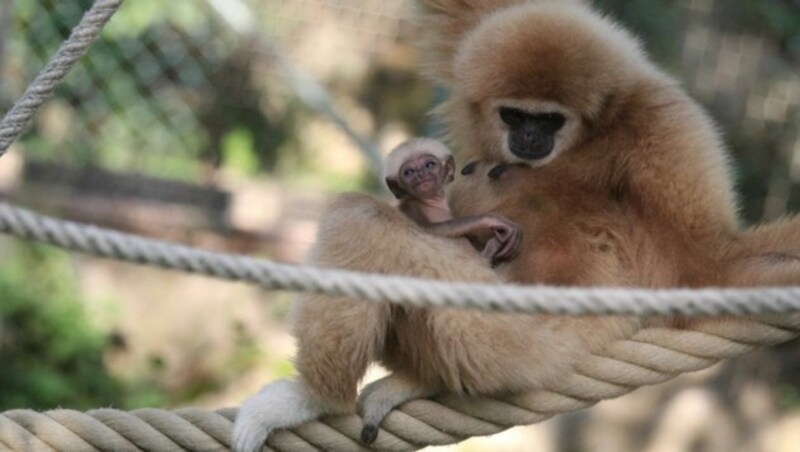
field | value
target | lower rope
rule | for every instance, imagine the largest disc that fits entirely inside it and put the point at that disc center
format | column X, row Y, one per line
column 651, row 356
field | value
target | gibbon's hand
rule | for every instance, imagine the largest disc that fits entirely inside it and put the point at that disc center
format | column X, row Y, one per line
column 506, row 239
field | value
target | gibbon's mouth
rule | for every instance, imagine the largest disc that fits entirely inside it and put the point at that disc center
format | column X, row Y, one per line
column 531, row 149
column 533, row 154
column 425, row 183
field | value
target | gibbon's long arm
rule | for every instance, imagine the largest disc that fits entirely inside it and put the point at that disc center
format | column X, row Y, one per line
column 501, row 238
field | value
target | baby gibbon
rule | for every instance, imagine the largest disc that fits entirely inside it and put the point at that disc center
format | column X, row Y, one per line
column 615, row 175
column 418, row 172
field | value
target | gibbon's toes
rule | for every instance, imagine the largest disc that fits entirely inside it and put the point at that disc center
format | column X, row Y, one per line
column 498, row 171
column 369, row 433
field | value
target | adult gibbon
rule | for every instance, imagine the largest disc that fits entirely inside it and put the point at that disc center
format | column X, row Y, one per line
column 615, row 175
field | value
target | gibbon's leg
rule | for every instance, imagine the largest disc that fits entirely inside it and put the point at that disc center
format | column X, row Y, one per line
column 765, row 255
column 339, row 337
column 378, row 398
column 337, row 340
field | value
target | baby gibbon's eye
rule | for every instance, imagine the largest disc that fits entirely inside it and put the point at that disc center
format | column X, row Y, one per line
column 408, row 172
column 430, row 164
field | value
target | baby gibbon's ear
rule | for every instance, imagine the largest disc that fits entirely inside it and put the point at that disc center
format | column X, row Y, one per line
column 444, row 23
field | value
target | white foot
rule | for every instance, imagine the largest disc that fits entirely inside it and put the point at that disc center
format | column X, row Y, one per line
column 282, row 404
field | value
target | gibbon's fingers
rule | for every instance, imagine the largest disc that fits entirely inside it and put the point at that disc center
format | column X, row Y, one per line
column 490, row 250
column 511, row 244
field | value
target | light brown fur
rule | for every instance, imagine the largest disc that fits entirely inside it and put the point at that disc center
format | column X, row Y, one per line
column 456, row 350
column 638, row 192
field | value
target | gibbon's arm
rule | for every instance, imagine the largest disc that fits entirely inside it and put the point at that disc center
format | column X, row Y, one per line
column 359, row 232
column 688, row 183
column 472, row 225
column 765, row 255
column 681, row 172
column 501, row 238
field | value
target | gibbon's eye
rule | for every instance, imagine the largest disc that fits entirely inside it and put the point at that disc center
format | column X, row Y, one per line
column 408, row 172
column 550, row 122
column 513, row 116
column 430, row 164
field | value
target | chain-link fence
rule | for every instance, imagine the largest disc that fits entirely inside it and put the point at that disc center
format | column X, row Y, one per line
column 169, row 83
column 180, row 89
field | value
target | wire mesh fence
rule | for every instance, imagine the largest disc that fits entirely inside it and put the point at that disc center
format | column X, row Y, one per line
column 168, row 84
column 180, row 89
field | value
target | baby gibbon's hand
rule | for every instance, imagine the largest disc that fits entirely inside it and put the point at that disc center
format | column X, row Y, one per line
column 506, row 239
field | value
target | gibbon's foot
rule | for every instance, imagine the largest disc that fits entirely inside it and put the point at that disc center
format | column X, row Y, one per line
column 378, row 398
column 282, row 404
column 369, row 433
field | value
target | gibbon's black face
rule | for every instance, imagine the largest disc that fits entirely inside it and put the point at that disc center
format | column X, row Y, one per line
column 531, row 136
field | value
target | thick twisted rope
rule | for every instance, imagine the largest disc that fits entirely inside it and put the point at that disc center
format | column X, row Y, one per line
column 396, row 289
column 651, row 356
column 19, row 118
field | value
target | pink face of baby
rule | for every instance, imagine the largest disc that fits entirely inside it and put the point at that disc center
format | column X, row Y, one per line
column 422, row 175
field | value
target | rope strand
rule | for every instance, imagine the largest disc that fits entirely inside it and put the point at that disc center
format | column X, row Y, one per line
column 397, row 289
column 651, row 356
column 19, row 118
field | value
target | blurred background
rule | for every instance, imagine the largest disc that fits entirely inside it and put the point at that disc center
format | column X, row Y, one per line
column 226, row 124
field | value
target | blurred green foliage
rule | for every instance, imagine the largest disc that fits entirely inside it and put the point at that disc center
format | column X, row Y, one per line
column 657, row 22
column 238, row 151
column 660, row 23
column 50, row 353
